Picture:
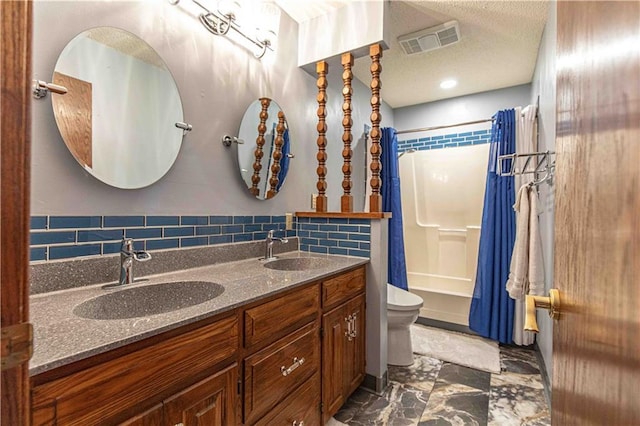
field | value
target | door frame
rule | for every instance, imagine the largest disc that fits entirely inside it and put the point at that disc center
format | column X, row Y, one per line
column 15, row 162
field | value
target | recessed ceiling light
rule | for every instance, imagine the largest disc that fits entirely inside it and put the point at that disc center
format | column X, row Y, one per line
column 448, row 84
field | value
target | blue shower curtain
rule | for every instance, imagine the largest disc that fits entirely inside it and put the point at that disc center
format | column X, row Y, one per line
column 390, row 191
column 491, row 313
column 284, row 161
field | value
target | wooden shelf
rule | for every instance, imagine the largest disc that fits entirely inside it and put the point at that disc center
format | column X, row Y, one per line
column 351, row 215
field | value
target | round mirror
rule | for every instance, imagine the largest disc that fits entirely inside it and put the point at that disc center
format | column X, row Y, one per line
column 264, row 150
column 119, row 115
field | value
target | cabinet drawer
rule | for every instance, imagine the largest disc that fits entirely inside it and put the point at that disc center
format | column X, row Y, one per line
column 343, row 287
column 105, row 393
column 301, row 407
column 272, row 373
column 274, row 319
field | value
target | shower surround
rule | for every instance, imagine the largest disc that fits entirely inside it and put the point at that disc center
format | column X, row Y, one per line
column 442, row 197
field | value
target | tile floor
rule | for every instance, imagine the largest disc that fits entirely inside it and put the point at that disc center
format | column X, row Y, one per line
column 433, row 392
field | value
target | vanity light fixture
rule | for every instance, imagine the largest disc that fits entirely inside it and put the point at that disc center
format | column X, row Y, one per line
column 448, row 84
column 226, row 17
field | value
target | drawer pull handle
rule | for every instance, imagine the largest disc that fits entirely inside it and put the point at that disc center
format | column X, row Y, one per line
column 296, row 423
column 296, row 363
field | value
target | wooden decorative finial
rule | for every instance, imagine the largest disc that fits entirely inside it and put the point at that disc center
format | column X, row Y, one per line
column 277, row 156
column 322, row 69
column 346, row 202
column 375, row 200
column 262, row 129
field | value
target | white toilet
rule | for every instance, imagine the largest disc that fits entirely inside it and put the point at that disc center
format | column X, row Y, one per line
column 403, row 308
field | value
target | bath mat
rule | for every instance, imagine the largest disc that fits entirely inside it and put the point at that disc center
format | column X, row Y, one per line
column 458, row 348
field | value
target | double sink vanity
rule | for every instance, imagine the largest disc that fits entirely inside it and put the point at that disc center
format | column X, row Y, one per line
column 242, row 342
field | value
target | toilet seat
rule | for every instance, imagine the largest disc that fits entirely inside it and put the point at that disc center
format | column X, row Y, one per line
column 402, row 300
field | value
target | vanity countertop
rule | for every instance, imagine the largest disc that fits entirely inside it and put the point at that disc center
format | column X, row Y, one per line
column 61, row 337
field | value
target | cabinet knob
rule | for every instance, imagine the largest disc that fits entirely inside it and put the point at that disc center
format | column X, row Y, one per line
column 298, row 423
column 179, row 424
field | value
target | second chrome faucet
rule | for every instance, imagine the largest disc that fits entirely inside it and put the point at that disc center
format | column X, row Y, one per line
column 268, row 250
column 127, row 256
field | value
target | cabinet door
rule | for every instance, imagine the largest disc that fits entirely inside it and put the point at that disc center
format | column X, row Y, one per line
column 210, row 402
column 355, row 356
column 152, row 417
column 333, row 351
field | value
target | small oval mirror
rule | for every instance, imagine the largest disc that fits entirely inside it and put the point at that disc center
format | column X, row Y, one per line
column 264, row 155
column 119, row 116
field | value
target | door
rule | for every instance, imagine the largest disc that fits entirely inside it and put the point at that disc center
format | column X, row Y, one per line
column 355, row 349
column 15, row 54
column 596, row 342
column 210, row 402
column 333, row 352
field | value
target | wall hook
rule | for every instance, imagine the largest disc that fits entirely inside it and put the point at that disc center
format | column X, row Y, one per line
column 41, row 88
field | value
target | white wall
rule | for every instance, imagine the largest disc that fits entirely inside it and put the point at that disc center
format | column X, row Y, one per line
column 217, row 81
column 328, row 36
column 461, row 109
column 544, row 85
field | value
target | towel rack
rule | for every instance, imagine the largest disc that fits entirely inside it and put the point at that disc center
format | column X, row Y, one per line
column 544, row 163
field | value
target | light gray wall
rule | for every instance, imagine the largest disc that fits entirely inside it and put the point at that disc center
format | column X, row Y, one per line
column 544, row 85
column 461, row 109
column 217, row 80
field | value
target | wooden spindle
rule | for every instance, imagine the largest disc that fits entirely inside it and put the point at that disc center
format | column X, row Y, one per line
column 277, row 156
column 262, row 129
column 375, row 200
column 346, row 202
column 322, row 69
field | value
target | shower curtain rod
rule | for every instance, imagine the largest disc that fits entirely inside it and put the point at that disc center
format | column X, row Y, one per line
column 425, row 129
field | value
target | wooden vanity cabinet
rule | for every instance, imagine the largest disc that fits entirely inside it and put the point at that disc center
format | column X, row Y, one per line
column 270, row 362
column 127, row 386
column 343, row 339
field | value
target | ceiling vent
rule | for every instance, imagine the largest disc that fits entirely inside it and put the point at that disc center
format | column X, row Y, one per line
column 430, row 38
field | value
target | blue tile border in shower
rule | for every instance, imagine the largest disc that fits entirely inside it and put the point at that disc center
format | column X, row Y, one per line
column 64, row 237
column 449, row 140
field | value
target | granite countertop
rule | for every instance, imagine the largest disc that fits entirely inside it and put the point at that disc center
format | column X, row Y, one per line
column 61, row 337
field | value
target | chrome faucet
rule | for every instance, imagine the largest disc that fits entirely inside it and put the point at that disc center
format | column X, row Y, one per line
column 127, row 256
column 268, row 250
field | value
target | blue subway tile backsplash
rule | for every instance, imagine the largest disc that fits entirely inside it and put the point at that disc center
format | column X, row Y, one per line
column 341, row 236
column 38, row 253
column 141, row 233
column 195, row 241
column 62, row 237
column 57, row 237
column 39, row 222
column 75, row 236
column 163, row 220
column 194, row 220
column 100, row 235
column 75, row 222
column 63, row 252
column 122, row 221
column 184, row 231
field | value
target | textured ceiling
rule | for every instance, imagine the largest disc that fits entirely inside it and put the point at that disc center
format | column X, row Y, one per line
column 498, row 48
column 127, row 44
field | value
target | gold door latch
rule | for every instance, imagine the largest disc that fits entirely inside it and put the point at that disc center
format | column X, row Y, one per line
column 17, row 344
column 552, row 303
